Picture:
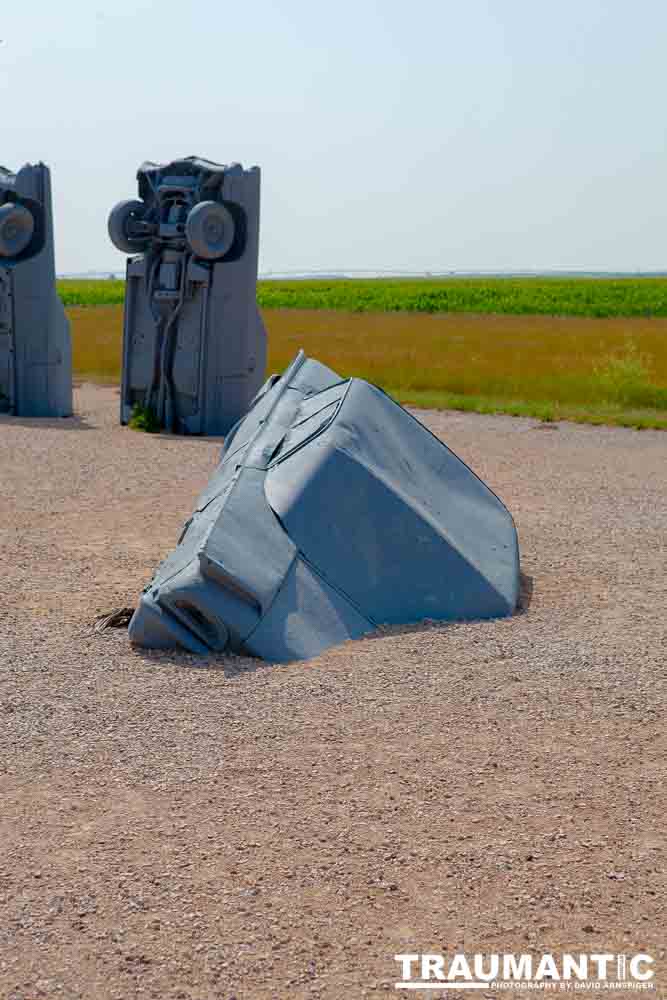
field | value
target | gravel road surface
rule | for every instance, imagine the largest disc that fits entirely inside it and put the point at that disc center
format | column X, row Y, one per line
column 209, row 830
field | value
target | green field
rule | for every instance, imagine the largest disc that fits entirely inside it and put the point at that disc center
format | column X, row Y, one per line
column 591, row 297
column 83, row 292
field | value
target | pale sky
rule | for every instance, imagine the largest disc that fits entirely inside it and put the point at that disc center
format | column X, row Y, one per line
column 483, row 134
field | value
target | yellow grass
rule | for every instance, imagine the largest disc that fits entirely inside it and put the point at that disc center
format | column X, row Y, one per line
column 441, row 359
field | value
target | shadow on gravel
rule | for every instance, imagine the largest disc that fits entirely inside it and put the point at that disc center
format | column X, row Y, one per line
column 232, row 665
column 525, row 594
column 117, row 620
column 74, row 423
column 184, row 438
column 228, row 664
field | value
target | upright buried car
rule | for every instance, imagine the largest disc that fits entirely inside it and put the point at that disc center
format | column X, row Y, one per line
column 194, row 346
column 332, row 511
column 35, row 350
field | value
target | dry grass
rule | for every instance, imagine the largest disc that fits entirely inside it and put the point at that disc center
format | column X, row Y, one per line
column 545, row 365
column 97, row 339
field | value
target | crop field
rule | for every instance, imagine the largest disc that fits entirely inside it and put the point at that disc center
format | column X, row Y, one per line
column 595, row 297
column 598, row 371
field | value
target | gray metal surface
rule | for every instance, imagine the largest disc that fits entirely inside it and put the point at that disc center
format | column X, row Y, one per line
column 332, row 511
column 35, row 350
column 194, row 345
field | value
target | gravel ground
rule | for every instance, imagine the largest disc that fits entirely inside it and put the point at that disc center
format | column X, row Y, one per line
column 178, row 828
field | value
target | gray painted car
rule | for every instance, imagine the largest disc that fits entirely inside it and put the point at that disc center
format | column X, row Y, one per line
column 35, row 348
column 194, row 345
column 332, row 511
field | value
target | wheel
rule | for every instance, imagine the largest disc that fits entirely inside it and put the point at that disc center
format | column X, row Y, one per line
column 16, row 229
column 121, row 215
column 209, row 230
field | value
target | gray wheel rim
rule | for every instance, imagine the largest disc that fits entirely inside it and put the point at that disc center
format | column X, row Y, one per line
column 16, row 229
column 117, row 227
column 210, row 230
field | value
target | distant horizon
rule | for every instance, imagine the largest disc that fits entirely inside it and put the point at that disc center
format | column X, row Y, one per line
column 340, row 274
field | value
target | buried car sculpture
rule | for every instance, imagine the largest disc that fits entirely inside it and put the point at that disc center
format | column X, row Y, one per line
column 194, row 345
column 332, row 511
column 35, row 350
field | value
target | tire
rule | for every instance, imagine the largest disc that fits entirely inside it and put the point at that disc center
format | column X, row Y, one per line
column 209, row 230
column 17, row 227
column 118, row 220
